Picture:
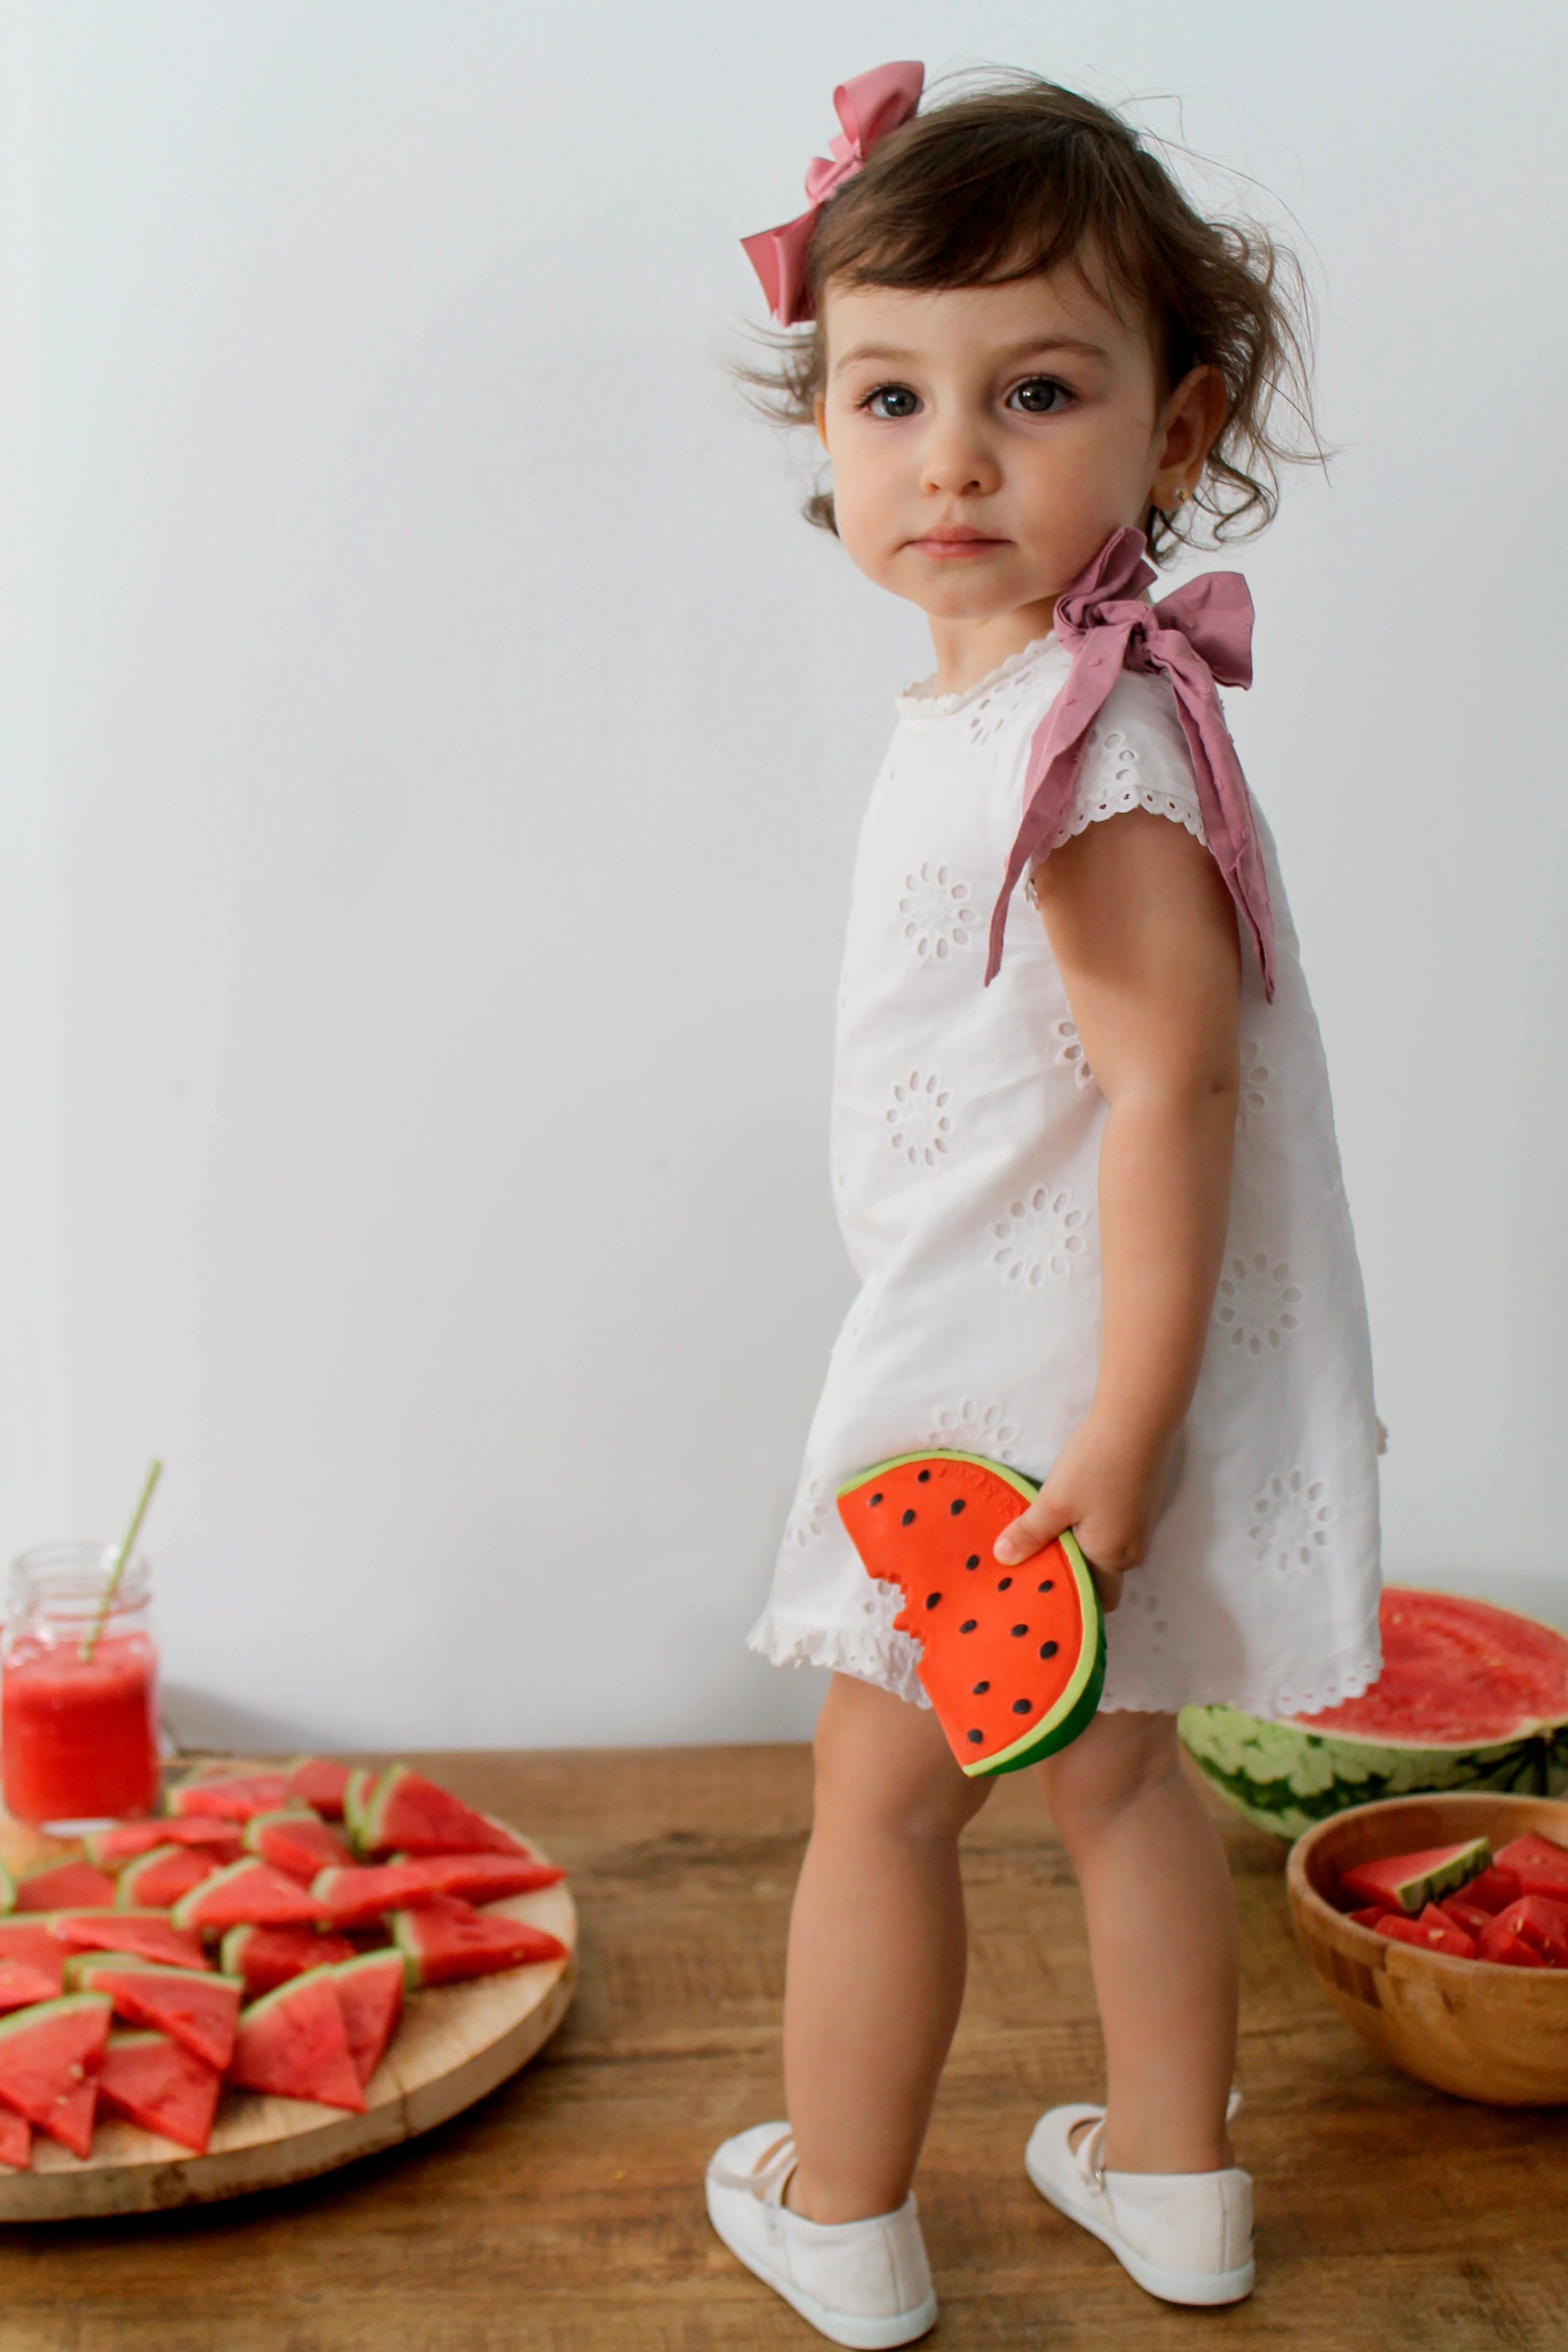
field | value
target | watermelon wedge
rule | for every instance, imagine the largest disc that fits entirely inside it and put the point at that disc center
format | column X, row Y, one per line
column 200, row 2011
column 47, row 2056
column 156, row 1879
column 21, row 1984
column 1493, row 1889
column 161, row 2086
column 7, row 1896
column 229, row 1798
column 358, row 1790
column 370, row 1994
column 1539, row 1866
column 247, row 1894
column 444, row 1941
column 112, row 1849
column 1506, row 1948
column 293, row 2044
column 1013, row 1660
column 1542, row 1925
column 300, row 1843
column 28, row 1944
column 15, row 2140
column 482, row 1877
column 408, row 1811
column 1432, row 1932
column 1465, row 1915
column 63, row 1887
column 265, row 1957
column 318, row 1783
column 1470, row 1696
column 1408, row 1882
column 355, row 1896
column 148, row 1935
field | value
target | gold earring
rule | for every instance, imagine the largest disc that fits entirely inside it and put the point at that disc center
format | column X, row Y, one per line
column 1178, row 496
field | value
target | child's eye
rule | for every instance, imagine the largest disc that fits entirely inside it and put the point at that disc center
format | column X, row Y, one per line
column 891, row 401
column 1039, row 396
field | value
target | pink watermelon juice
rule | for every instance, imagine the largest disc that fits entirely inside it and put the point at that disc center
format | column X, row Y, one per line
column 79, row 1738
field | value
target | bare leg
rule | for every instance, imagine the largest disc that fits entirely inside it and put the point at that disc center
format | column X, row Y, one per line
column 1162, row 1937
column 876, row 1951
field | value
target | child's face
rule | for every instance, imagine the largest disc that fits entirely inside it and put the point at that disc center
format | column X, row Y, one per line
column 986, row 440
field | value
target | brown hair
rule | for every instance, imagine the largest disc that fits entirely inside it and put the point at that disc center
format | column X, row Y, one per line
column 1019, row 177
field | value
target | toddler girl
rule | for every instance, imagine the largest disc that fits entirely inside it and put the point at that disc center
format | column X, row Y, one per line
column 1082, row 1153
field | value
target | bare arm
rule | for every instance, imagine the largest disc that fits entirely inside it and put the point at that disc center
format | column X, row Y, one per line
column 1144, row 934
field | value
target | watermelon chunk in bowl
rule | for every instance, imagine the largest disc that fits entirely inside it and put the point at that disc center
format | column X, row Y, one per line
column 1470, row 1696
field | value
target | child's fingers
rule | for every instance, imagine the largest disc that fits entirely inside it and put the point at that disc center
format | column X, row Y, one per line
column 1041, row 1524
column 1108, row 1584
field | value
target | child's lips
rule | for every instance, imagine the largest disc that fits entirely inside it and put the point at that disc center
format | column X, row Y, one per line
column 949, row 546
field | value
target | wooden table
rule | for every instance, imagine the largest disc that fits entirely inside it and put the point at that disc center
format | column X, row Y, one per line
column 566, row 2213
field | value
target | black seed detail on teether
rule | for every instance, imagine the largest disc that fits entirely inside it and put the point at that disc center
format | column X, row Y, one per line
column 973, row 1561
column 1022, row 1705
column 875, row 1500
column 924, row 1476
column 976, row 1737
column 956, row 1507
column 979, row 1690
column 1005, row 1581
column 1049, row 1586
column 931, row 1599
column 969, row 1624
column 908, row 1520
column 1047, row 1649
column 1017, row 1630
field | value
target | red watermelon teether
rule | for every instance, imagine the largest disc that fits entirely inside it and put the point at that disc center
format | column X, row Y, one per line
column 1013, row 1660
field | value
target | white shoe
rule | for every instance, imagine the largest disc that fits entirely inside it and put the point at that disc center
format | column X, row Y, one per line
column 864, row 2284
column 1185, row 2236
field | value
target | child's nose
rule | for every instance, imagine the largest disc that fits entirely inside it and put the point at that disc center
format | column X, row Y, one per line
column 958, row 462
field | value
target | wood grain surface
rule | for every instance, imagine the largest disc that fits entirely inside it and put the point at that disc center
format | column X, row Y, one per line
column 564, row 2212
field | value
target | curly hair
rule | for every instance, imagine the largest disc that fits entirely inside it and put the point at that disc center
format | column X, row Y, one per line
column 1017, row 179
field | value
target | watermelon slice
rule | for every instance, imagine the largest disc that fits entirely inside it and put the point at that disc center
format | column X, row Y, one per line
column 1542, row 1924
column 15, row 2140
column 164, row 2087
column 481, row 1877
column 247, row 1894
column 293, row 2044
column 1540, row 1865
column 1493, row 1889
column 7, row 1896
column 265, row 1957
column 358, row 1790
column 1506, row 1949
column 297, row 1842
column 47, row 2055
column 1432, row 1932
column 353, row 1897
column 148, row 1935
column 110, row 1849
column 63, row 1887
column 21, row 1985
column 1013, row 1660
column 408, row 1811
column 229, row 1798
column 1407, row 1882
column 319, row 1783
column 1465, row 1915
column 370, row 1994
column 445, row 1941
column 157, row 1879
column 200, row 2011
column 28, row 1946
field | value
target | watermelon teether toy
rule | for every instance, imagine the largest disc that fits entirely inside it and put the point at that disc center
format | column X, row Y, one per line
column 1012, row 1659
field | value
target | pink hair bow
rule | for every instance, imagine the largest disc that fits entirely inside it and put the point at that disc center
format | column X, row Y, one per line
column 869, row 106
column 1199, row 635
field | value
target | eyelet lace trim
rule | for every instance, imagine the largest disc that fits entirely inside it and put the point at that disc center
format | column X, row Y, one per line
column 871, row 1651
column 1120, row 795
column 918, row 702
column 1311, row 1690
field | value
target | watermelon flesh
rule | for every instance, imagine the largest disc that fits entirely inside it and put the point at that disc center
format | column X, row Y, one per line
column 1432, row 1932
column 293, row 2044
column 319, row 1783
column 445, row 1941
column 482, row 1877
column 353, row 1897
column 1539, row 1866
column 32, row 1964
column 21, row 1984
column 1013, row 1660
column 230, row 1797
column 47, row 2055
column 1507, row 1950
column 1408, row 1882
column 161, row 2086
column 112, row 1848
column 408, row 1812
column 64, row 1886
column 247, row 1894
column 1493, row 1889
column 15, row 2140
column 200, row 2012
column 71, row 2118
column 157, row 1879
column 265, row 1957
column 1470, row 1696
column 1541, row 1924
column 299, row 1844
column 370, row 1994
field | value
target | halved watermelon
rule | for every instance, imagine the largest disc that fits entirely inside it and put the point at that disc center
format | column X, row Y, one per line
column 298, row 1843
column 1408, row 1882
column 1470, row 1696
column 265, row 1957
column 149, row 1935
column 27, row 1945
column 247, row 1894
column 47, row 2056
column 199, row 2011
column 481, row 1877
column 293, row 2044
column 319, row 1782
column 1013, row 1660
column 445, row 1941
column 110, row 1849
column 156, row 1879
column 408, row 1811
column 15, row 2140
column 370, row 1994
column 355, row 1897
column 229, row 1797
column 164, row 2087
column 63, row 1887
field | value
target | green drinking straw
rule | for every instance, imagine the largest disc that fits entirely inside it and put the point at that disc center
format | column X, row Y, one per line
column 118, row 1571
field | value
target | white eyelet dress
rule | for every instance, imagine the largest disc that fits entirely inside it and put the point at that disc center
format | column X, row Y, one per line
column 966, row 1127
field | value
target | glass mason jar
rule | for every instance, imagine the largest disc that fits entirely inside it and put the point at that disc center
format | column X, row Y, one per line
column 79, row 1714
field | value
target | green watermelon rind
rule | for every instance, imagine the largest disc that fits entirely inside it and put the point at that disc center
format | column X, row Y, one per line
column 8, row 1889
column 361, row 1785
column 1075, row 1709
column 264, row 2003
column 1285, row 1779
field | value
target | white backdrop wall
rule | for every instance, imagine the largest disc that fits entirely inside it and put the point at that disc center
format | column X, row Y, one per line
column 433, row 754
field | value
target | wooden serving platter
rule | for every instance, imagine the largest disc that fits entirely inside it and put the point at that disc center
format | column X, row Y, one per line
column 455, row 2044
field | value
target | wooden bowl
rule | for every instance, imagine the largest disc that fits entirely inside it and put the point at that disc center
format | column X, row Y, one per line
column 1500, row 2035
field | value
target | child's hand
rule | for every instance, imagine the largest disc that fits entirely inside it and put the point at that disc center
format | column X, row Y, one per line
column 1106, row 1487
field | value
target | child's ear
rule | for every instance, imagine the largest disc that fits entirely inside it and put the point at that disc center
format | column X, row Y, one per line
column 819, row 411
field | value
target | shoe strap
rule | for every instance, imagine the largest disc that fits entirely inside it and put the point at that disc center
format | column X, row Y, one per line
column 769, row 2176
column 1089, row 2152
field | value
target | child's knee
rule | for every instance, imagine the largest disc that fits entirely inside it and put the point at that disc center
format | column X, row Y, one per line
column 1120, row 1759
column 884, row 1764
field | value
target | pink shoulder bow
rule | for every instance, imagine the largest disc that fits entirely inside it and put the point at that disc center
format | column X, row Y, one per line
column 1200, row 634
column 869, row 106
